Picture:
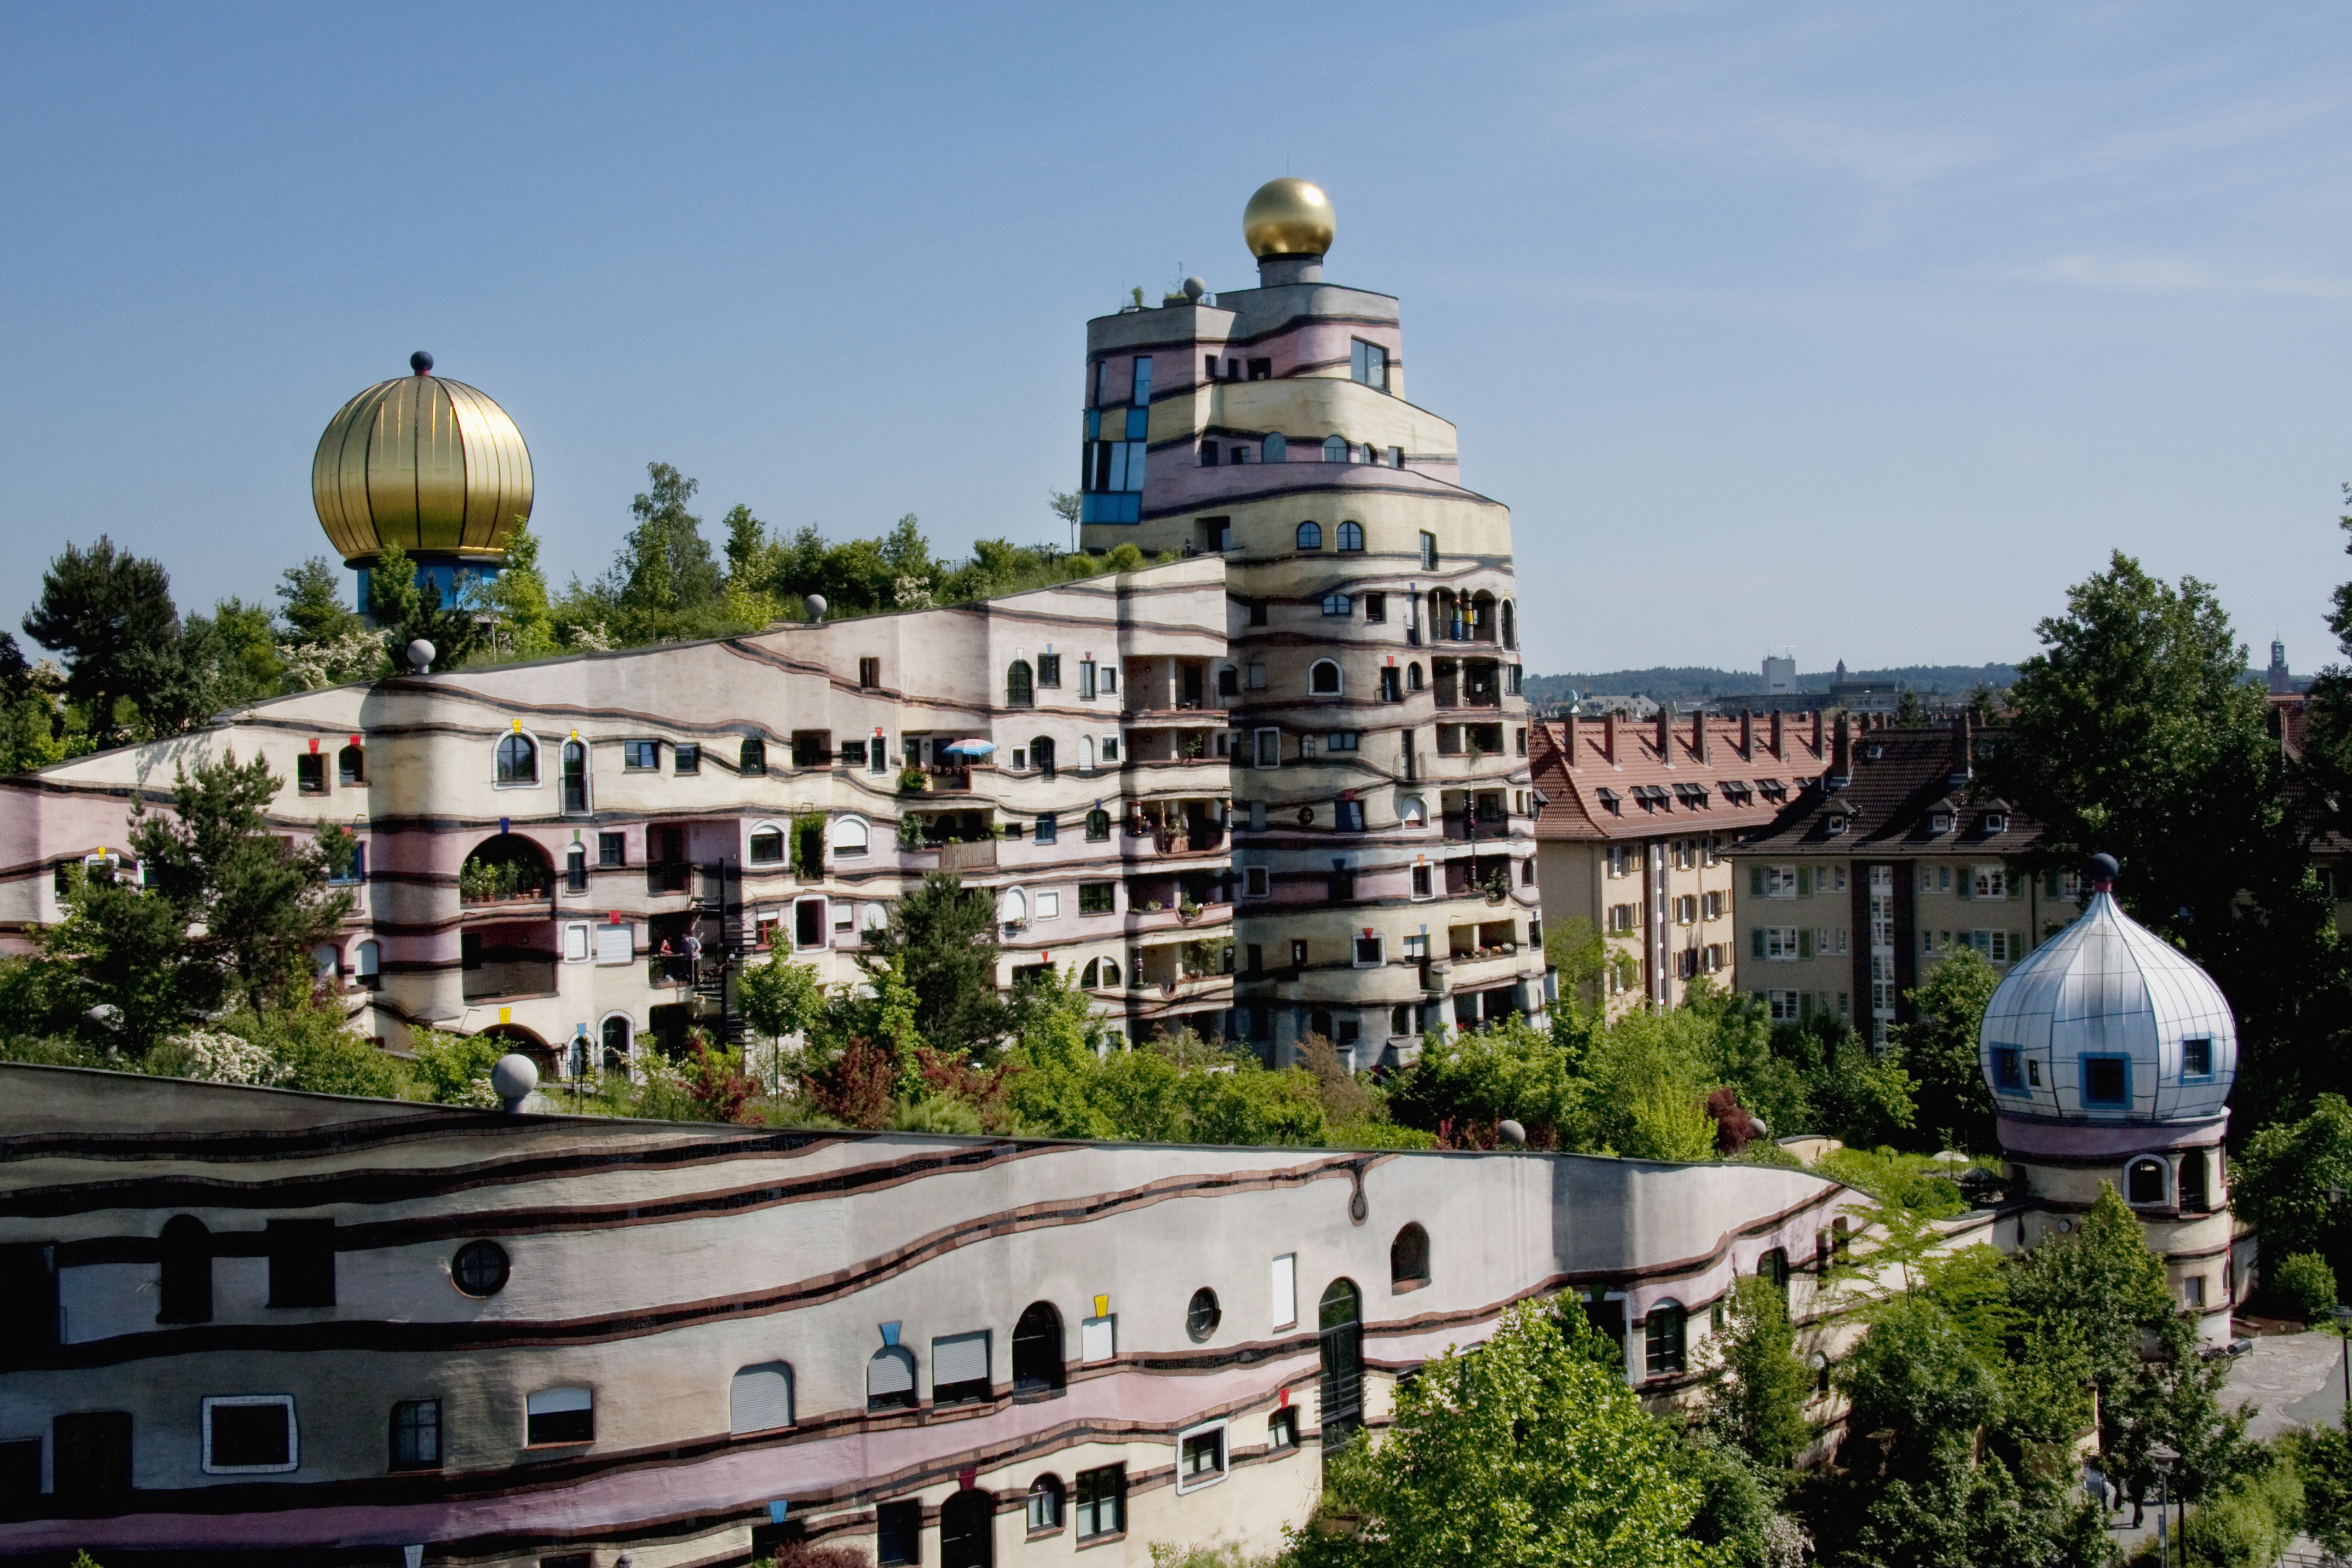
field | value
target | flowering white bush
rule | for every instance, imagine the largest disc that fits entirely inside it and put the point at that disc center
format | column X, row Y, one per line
column 216, row 1058
column 355, row 655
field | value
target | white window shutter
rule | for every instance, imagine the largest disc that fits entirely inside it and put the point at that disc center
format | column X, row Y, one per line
column 1286, row 1290
column 761, row 1397
column 959, row 1358
column 1097, row 1338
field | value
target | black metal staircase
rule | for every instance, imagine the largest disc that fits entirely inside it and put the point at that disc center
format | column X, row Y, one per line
column 720, row 898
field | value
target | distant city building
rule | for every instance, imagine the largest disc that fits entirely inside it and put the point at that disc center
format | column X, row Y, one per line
column 1779, row 674
column 2280, row 681
column 1636, row 825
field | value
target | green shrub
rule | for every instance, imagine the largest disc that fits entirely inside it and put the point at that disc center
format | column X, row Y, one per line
column 2248, row 1524
column 2305, row 1285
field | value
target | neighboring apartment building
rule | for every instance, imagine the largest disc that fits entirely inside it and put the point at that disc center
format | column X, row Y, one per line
column 1635, row 827
column 1890, row 859
column 1371, row 702
column 537, row 841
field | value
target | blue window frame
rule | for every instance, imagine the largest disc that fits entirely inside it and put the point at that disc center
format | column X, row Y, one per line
column 2106, row 1079
column 2008, row 1070
column 2196, row 1059
column 1049, row 828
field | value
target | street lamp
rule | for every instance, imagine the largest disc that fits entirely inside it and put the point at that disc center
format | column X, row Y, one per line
column 2164, row 1456
column 2344, row 1335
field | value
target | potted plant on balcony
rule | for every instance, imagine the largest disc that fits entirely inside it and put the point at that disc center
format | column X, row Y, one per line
column 1498, row 885
column 1186, row 909
column 913, row 781
column 1153, row 906
column 911, row 832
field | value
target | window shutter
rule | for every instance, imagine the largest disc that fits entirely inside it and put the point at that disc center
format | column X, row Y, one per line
column 1804, row 1005
column 761, row 1398
column 1804, row 938
column 1755, row 942
column 2016, row 945
column 959, row 1358
column 1964, row 883
column 1756, row 881
column 892, row 1372
column 1805, row 882
column 615, row 943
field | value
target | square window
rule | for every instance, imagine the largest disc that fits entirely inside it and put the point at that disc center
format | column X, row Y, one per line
column 1048, row 829
column 1370, row 951
column 302, row 1262
column 767, row 847
column 1097, row 897
column 416, row 1434
column 1200, row 1458
column 1254, row 882
column 2197, row 1058
column 2008, row 1070
column 310, row 774
column 2106, row 1081
column 252, row 1434
column 869, row 673
column 640, row 756
column 959, row 1368
column 1101, row 1501
column 612, row 849
column 560, row 1416
column 1049, row 906
column 1376, row 606
column 898, row 1532
column 1282, row 1429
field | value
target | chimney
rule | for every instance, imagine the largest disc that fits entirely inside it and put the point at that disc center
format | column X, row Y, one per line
column 1698, row 737
column 1609, row 737
column 1779, row 736
column 1964, row 750
column 1817, row 730
column 1568, row 730
column 1747, row 735
column 1840, row 772
column 1666, row 734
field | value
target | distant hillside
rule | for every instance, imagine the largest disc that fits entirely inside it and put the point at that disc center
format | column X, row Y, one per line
column 1693, row 683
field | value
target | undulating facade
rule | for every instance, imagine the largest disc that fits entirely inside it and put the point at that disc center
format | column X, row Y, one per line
column 1383, row 846
column 283, row 1329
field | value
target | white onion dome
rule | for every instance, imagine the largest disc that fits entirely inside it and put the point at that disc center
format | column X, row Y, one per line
column 2108, row 1022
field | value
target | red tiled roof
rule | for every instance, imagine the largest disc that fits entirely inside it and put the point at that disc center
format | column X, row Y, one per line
column 1900, row 778
column 1633, row 787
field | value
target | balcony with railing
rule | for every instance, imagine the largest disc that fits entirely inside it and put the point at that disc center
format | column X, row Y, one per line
column 508, row 960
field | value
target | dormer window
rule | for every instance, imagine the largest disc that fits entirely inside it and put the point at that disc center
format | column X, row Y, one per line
column 1996, row 822
column 1612, row 801
column 1940, row 822
column 1834, row 823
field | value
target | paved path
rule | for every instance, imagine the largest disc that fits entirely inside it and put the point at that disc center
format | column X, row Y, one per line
column 2296, row 1379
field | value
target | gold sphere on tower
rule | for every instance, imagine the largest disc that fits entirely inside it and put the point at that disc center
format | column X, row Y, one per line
column 422, row 462
column 1287, row 217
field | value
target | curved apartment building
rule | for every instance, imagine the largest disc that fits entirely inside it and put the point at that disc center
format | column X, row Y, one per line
column 1383, row 849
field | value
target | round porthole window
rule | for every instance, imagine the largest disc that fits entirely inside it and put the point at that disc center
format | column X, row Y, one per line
column 1201, row 1318
column 480, row 1268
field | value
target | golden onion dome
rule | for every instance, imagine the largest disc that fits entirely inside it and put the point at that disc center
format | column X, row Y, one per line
column 423, row 462
column 1287, row 217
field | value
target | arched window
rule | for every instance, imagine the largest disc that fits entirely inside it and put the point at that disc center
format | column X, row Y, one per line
column 767, row 845
column 1334, row 448
column 1278, row 448
column 1663, row 1338
column 327, row 962
column 1412, row 675
column 1774, row 1266
column 1091, row 975
column 1110, row 971
column 1510, row 625
column 890, row 1378
column 1323, row 678
column 1409, row 1258
column 618, row 1030
column 368, row 963
column 754, row 759
column 1037, row 1369
column 508, row 866
column 350, row 765
column 1098, row 826
column 1085, row 753
column 850, row 839
column 1012, row 909
column 1351, row 536
column 967, row 1530
column 186, row 1246
column 1320, row 1023
column 575, row 870
column 1341, row 1336
column 1310, row 536
column 2145, row 1182
column 1041, row 755
column 1020, row 687
column 575, row 776
column 518, row 760
column 759, row 1398
column 1045, row 1504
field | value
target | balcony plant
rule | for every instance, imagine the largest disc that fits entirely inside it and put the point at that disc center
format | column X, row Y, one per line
column 913, row 781
column 1186, row 909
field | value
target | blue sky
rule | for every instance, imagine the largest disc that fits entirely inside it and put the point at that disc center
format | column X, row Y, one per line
column 1860, row 328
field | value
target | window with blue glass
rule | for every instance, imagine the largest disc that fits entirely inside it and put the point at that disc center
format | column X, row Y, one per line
column 2007, row 1069
column 1049, row 828
column 2197, row 1058
column 2106, row 1081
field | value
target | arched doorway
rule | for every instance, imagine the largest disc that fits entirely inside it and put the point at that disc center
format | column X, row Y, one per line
column 514, row 1037
column 967, row 1530
column 1037, row 1367
column 575, row 777
column 1341, row 1334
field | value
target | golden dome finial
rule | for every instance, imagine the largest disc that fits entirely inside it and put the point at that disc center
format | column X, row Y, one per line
column 1287, row 217
column 423, row 462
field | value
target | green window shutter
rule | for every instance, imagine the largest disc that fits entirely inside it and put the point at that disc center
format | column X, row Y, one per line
column 1756, row 881
column 1804, row 881
column 1755, row 942
column 1804, row 1003
column 1962, row 881
column 2016, row 945
column 1804, row 942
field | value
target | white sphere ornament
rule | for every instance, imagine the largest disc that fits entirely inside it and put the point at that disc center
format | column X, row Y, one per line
column 420, row 656
column 1511, row 1133
column 513, row 1079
